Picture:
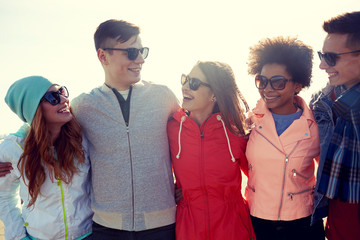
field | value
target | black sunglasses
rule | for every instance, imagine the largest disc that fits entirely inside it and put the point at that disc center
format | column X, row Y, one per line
column 330, row 57
column 53, row 97
column 133, row 53
column 276, row 82
column 194, row 83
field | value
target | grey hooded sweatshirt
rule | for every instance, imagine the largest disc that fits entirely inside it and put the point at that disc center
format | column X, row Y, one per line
column 132, row 181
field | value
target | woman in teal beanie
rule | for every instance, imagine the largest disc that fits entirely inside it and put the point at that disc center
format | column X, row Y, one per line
column 51, row 174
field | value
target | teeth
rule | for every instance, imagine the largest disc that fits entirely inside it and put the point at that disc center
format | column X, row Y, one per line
column 267, row 97
column 187, row 96
column 331, row 74
column 63, row 110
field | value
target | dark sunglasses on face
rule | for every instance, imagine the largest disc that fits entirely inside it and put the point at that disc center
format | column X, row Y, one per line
column 276, row 82
column 330, row 57
column 133, row 53
column 194, row 83
column 53, row 97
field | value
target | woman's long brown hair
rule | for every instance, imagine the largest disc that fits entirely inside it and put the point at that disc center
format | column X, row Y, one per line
column 40, row 156
column 228, row 96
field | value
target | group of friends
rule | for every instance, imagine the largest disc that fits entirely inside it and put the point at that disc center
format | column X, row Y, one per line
column 125, row 161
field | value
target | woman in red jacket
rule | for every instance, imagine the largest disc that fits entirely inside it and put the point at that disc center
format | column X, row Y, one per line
column 207, row 148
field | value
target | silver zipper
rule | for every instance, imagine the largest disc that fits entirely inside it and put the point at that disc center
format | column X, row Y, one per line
column 297, row 193
column 284, row 174
column 283, row 184
column 132, row 181
column 295, row 173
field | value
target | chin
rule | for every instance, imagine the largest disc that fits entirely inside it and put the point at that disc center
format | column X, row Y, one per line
column 135, row 81
column 68, row 119
column 185, row 106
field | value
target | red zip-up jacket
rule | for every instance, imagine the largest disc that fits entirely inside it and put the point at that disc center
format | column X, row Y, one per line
column 206, row 163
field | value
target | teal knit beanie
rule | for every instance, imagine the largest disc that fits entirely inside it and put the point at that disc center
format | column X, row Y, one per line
column 24, row 95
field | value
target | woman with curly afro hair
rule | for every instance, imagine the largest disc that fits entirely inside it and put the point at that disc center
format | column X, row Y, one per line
column 283, row 143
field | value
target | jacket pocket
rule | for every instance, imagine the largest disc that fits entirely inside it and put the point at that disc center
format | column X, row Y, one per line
column 322, row 116
column 325, row 124
column 297, row 174
column 302, row 181
column 292, row 195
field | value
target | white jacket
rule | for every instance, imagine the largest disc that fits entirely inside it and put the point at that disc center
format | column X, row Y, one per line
column 61, row 211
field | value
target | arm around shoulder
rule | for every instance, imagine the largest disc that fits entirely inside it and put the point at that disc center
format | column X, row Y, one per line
column 174, row 102
column 76, row 103
column 5, row 168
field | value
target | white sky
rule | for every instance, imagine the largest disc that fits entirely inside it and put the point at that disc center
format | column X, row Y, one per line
column 54, row 38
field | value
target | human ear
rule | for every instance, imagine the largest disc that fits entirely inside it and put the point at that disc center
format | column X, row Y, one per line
column 102, row 56
column 297, row 87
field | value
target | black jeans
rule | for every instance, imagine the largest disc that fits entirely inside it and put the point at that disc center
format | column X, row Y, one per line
column 161, row 233
column 298, row 229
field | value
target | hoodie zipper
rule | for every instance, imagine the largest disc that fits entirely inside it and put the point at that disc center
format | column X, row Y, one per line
column 202, row 179
column 285, row 166
column 203, row 184
column 132, row 179
column 117, row 95
column 63, row 207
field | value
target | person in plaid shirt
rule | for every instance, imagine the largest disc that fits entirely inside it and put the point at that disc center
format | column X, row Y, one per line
column 337, row 112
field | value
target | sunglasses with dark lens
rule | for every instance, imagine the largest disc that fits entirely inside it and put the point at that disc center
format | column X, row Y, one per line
column 133, row 53
column 194, row 83
column 276, row 82
column 53, row 97
column 330, row 57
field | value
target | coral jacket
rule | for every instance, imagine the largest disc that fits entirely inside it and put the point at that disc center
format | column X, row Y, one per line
column 281, row 168
column 206, row 163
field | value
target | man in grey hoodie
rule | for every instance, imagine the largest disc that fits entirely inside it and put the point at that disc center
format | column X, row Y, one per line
column 125, row 122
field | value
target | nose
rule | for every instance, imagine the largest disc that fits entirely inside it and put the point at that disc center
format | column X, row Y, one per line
column 268, row 87
column 63, row 99
column 186, row 86
column 323, row 65
column 140, row 59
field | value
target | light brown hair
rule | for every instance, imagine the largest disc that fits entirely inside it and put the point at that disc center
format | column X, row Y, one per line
column 228, row 96
column 39, row 154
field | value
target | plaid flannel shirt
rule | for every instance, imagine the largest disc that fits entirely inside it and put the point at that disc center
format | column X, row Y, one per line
column 341, row 173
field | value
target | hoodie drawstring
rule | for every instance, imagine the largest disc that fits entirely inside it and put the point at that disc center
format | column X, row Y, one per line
column 183, row 118
column 218, row 117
